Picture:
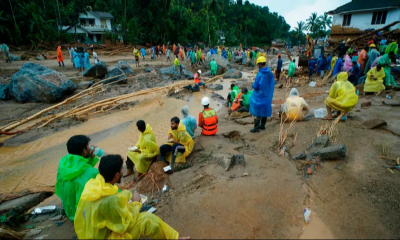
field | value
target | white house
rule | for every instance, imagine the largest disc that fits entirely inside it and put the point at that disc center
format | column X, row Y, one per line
column 94, row 24
column 353, row 18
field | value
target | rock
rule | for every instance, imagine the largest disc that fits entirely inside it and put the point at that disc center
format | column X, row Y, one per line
column 36, row 83
column 223, row 64
column 22, row 204
column 4, row 92
column 32, row 232
column 124, row 66
column 239, row 159
column 251, row 64
column 84, row 84
column 238, row 59
column 150, row 69
column 229, row 160
column 173, row 71
column 206, row 74
column 39, row 57
column 244, row 59
column 114, row 71
column 217, row 96
column 374, row 123
column 366, row 104
column 330, row 153
column 233, row 73
column 320, row 142
column 14, row 57
column 215, row 87
column 391, row 102
column 98, row 70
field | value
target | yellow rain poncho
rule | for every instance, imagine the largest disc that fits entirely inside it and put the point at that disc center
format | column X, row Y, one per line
column 105, row 213
column 372, row 85
column 333, row 62
column 219, row 51
column 342, row 95
column 176, row 62
column 149, row 149
column 295, row 107
column 182, row 136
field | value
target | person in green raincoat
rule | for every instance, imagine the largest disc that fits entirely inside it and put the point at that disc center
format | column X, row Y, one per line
column 254, row 57
column 232, row 94
column 192, row 58
column 393, row 47
column 214, row 67
column 198, row 52
column 229, row 55
column 385, row 62
column 291, row 70
column 74, row 171
column 258, row 54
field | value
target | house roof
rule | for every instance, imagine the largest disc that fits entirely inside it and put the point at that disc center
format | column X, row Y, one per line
column 366, row 5
column 103, row 14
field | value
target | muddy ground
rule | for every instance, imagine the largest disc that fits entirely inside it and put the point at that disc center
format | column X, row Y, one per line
column 351, row 198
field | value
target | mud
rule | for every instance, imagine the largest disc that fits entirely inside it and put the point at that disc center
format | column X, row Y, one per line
column 353, row 198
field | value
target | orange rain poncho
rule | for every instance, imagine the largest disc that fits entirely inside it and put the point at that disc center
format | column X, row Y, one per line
column 163, row 49
column 60, row 57
column 342, row 95
column 173, row 48
column 105, row 213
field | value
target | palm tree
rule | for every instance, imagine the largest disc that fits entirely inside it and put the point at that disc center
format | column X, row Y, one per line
column 312, row 22
column 299, row 29
column 325, row 20
column 213, row 6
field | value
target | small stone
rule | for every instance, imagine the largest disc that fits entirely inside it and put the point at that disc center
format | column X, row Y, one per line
column 366, row 104
column 245, row 174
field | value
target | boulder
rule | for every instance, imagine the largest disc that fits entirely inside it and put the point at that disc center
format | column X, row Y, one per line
column 14, row 57
column 84, row 84
column 35, row 83
column 374, row 123
column 124, row 66
column 206, row 74
column 114, row 71
column 237, row 59
column 233, row 73
column 215, row 87
column 228, row 160
column 330, row 153
column 244, row 59
column 173, row 72
column 4, row 92
column 98, row 70
column 223, row 63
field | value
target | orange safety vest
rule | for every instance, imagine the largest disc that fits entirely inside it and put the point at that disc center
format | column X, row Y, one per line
column 196, row 78
column 210, row 120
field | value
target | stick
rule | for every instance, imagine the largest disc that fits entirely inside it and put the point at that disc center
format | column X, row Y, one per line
column 382, row 157
column 294, row 141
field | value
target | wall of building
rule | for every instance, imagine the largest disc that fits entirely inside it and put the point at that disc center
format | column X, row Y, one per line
column 361, row 21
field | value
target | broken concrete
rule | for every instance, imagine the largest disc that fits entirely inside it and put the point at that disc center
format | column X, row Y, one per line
column 374, row 123
column 22, row 204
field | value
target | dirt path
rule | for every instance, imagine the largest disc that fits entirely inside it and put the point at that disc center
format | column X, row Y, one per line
column 354, row 198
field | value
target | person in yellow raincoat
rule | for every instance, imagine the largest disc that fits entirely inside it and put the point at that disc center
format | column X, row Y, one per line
column 105, row 212
column 342, row 96
column 219, row 51
column 374, row 81
column 295, row 107
column 333, row 62
column 145, row 150
column 179, row 144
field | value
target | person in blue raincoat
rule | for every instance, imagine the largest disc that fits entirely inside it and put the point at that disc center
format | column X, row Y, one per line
column 76, row 60
column 143, row 52
column 319, row 64
column 328, row 62
column 224, row 54
column 338, row 67
column 261, row 99
column 81, row 58
column 189, row 121
column 87, row 60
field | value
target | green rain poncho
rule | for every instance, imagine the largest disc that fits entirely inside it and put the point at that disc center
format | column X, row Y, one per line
column 393, row 47
column 246, row 98
column 292, row 69
column 214, row 67
column 73, row 173
column 385, row 62
column 234, row 93
column 229, row 55
column 192, row 57
column 254, row 55
column 198, row 55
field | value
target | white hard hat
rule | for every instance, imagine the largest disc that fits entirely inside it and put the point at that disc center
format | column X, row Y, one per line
column 199, row 71
column 205, row 101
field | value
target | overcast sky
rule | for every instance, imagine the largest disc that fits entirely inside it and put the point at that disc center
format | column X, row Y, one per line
column 299, row 10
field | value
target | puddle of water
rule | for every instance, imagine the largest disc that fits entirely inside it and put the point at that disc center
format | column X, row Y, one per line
column 35, row 163
column 316, row 229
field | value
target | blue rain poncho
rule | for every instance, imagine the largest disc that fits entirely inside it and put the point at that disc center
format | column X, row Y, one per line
column 143, row 52
column 338, row 66
column 87, row 61
column 189, row 121
column 76, row 60
column 81, row 58
column 224, row 54
column 319, row 64
column 261, row 99
column 328, row 62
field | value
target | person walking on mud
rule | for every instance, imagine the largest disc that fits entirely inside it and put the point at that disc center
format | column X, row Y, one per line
column 168, row 55
column 261, row 99
column 60, row 58
column 137, row 56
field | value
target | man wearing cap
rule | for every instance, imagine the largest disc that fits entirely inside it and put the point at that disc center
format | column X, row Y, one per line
column 197, row 80
column 261, row 99
column 208, row 119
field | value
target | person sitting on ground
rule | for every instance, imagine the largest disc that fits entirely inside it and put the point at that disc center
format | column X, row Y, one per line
column 291, row 70
column 197, row 80
column 372, row 55
column 342, row 96
column 106, row 212
column 74, row 170
column 295, row 107
column 144, row 153
column 374, row 80
column 261, row 99
column 214, row 67
column 347, row 62
column 232, row 94
column 208, row 119
column 178, row 141
column 242, row 101
column 354, row 73
column 385, row 62
column 189, row 121
column 311, row 67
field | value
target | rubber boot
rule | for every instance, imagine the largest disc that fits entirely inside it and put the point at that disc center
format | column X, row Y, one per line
column 63, row 64
column 59, row 64
column 256, row 126
column 263, row 122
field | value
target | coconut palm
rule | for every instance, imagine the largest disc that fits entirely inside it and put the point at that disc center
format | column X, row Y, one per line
column 312, row 23
column 212, row 6
column 325, row 21
column 299, row 29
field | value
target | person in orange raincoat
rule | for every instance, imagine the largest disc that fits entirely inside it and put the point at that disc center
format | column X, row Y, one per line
column 173, row 48
column 60, row 58
column 163, row 49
